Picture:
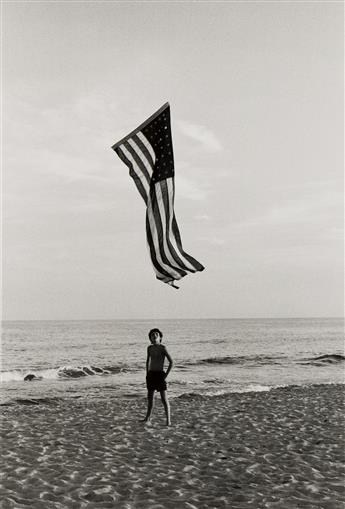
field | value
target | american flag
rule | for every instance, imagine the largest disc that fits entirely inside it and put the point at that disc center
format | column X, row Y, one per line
column 148, row 153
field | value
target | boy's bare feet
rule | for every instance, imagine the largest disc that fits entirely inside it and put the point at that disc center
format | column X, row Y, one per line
column 146, row 421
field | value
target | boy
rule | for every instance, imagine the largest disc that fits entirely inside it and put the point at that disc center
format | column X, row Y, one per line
column 155, row 374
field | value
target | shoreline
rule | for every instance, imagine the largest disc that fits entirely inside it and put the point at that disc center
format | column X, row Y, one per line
column 283, row 448
column 111, row 394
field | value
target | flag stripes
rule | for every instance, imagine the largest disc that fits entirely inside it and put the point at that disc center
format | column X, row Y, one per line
column 148, row 156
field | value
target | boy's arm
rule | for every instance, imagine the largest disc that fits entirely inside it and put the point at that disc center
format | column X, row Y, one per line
column 147, row 359
column 167, row 355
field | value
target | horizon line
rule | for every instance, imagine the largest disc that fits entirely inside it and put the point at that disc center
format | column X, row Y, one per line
column 166, row 319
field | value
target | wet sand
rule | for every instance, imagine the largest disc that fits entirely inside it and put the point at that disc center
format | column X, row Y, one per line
column 280, row 449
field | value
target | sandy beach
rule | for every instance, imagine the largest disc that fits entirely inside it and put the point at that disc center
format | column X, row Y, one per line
column 282, row 449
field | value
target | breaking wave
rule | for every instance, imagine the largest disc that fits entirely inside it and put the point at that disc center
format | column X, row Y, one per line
column 62, row 372
column 81, row 371
column 209, row 393
column 262, row 360
column 325, row 360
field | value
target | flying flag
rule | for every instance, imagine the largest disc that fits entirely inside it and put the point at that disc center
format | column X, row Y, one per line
column 148, row 153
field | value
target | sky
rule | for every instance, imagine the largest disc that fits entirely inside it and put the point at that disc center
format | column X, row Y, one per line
column 256, row 97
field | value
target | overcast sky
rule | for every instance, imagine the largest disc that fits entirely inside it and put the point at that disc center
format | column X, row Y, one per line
column 256, row 96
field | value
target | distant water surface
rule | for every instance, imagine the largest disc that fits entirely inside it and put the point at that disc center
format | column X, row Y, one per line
column 102, row 358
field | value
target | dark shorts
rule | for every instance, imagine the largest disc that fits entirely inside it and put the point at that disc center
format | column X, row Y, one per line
column 155, row 381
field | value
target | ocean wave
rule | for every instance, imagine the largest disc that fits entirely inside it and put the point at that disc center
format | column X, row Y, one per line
column 324, row 360
column 62, row 372
column 213, row 381
column 209, row 393
column 244, row 359
column 249, row 361
column 262, row 360
column 80, row 371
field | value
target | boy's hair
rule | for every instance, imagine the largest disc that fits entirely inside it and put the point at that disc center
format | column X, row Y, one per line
column 152, row 331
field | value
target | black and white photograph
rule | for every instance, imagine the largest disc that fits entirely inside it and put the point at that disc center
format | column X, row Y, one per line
column 172, row 188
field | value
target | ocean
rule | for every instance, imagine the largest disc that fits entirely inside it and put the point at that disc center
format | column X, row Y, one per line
column 101, row 359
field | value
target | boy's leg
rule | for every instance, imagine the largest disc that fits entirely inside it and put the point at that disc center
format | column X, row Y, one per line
column 165, row 402
column 150, row 395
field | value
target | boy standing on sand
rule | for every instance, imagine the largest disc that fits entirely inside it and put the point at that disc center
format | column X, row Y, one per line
column 155, row 374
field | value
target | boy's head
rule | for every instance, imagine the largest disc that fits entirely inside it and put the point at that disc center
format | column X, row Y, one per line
column 155, row 335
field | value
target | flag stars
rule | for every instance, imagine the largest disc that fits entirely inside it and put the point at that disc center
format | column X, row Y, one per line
column 158, row 132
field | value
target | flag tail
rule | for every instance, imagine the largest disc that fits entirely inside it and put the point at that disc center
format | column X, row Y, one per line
column 171, row 283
